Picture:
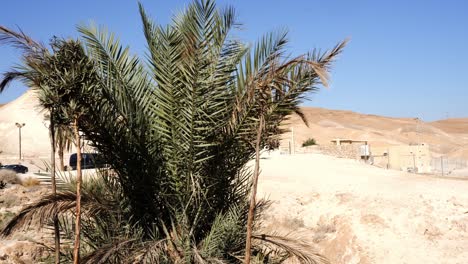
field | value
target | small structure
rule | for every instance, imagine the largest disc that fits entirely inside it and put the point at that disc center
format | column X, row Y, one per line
column 361, row 147
column 339, row 141
column 412, row 158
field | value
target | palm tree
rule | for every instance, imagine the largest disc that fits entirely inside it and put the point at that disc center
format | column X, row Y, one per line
column 35, row 63
column 178, row 133
column 74, row 78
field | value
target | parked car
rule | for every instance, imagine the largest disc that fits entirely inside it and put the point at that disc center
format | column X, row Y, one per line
column 88, row 161
column 18, row 168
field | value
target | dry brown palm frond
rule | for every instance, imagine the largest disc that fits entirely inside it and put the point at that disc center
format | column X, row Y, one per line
column 331, row 55
column 49, row 206
column 20, row 40
column 102, row 254
column 148, row 252
column 8, row 77
column 293, row 247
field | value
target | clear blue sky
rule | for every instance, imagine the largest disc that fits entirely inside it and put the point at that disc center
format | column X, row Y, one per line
column 405, row 58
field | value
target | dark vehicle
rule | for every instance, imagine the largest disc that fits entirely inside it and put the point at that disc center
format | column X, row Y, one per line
column 18, row 168
column 88, row 161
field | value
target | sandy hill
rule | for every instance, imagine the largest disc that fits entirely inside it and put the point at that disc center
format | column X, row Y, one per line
column 446, row 137
column 453, row 125
column 35, row 140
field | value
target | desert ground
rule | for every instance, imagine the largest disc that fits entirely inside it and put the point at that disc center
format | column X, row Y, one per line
column 356, row 213
column 349, row 211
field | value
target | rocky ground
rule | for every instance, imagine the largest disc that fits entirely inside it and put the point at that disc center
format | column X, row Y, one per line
column 22, row 247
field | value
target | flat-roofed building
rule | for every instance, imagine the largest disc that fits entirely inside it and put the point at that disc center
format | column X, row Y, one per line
column 412, row 158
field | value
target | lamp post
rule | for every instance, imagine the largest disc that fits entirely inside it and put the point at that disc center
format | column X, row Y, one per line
column 293, row 146
column 19, row 126
column 418, row 133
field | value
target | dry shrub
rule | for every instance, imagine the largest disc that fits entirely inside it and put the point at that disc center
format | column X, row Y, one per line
column 30, row 181
column 322, row 230
column 8, row 176
column 5, row 218
column 8, row 201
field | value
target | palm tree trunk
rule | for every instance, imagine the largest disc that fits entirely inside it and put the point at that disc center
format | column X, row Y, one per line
column 60, row 154
column 76, row 250
column 248, row 242
column 54, row 186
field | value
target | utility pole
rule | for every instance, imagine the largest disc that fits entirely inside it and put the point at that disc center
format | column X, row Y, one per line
column 442, row 165
column 388, row 158
column 414, row 161
column 418, row 134
column 293, row 149
column 19, row 126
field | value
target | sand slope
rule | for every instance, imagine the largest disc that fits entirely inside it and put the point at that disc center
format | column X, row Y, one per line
column 356, row 213
column 445, row 137
column 35, row 139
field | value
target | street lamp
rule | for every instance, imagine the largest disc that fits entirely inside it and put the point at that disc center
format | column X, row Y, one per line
column 418, row 134
column 19, row 126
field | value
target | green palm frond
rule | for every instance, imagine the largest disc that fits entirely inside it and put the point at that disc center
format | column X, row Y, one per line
column 192, row 64
column 123, row 124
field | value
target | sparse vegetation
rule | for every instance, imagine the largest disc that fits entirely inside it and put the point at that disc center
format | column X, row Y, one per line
column 5, row 218
column 309, row 142
column 9, row 201
column 8, row 176
column 30, row 181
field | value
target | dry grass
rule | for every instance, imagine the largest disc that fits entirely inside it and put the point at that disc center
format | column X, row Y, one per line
column 7, row 201
column 5, row 218
column 8, row 176
column 28, row 182
column 322, row 230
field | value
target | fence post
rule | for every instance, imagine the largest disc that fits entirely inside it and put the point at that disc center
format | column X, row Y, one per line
column 442, row 165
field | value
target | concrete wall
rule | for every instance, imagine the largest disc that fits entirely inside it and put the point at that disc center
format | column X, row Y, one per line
column 414, row 158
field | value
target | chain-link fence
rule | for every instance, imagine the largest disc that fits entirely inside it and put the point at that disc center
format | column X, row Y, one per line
column 446, row 165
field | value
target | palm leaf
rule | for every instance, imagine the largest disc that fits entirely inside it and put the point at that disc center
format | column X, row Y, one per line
column 293, row 248
column 49, row 206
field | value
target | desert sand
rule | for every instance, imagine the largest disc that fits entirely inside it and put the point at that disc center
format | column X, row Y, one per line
column 356, row 213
